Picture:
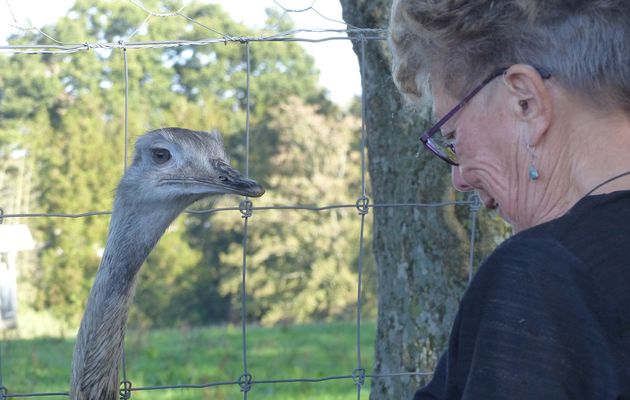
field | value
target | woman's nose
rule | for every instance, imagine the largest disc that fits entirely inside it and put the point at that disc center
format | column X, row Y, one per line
column 458, row 181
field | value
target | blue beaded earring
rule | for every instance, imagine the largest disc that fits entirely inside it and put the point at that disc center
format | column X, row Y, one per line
column 533, row 172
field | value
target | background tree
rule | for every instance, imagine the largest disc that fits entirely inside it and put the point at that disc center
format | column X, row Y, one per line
column 304, row 262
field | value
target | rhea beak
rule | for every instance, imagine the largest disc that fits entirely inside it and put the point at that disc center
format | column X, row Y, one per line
column 227, row 181
column 244, row 186
column 233, row 182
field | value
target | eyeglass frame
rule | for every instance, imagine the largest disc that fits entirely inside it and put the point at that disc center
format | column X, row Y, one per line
column 425, row 138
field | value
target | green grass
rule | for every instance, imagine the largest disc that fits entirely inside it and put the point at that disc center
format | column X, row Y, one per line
column 204, row 355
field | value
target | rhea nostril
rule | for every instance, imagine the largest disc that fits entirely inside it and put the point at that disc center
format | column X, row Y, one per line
column 223, row 178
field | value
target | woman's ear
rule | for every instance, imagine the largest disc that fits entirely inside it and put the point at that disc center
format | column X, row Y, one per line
column 530, row 101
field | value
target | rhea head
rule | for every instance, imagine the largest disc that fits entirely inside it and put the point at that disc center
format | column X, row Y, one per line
column 180, row 166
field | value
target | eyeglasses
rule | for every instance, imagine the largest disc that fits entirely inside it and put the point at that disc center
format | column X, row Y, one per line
column 441, row 145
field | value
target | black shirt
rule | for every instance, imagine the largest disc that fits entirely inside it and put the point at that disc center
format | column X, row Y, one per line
column 547, row 315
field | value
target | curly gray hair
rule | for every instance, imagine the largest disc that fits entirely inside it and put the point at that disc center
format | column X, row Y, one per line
column 585, row 44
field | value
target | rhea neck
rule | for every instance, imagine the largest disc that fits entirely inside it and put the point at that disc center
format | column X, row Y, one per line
column 134, row 230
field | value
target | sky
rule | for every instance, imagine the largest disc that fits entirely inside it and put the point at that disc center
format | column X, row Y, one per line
column 337, row 63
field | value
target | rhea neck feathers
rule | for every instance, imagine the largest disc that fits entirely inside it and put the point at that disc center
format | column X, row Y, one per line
column 134, row 230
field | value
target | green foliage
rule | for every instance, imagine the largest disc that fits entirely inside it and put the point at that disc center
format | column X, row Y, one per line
column 67, row 112
column 303, row 263
column 76, row 170
column 183, row 355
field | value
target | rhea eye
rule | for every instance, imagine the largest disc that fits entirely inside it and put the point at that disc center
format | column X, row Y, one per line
column 160, row 156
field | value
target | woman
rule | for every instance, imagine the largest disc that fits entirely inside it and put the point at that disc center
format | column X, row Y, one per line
column 533, row 102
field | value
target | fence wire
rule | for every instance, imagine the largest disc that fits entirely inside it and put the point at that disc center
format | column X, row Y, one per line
column 246, row 207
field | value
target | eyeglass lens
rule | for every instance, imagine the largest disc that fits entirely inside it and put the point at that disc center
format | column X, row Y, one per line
column 442, row 147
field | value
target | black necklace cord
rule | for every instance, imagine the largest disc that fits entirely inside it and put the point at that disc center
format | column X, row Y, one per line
column 607, row 181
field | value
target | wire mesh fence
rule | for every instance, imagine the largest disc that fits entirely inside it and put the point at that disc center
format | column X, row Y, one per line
column 247, row 208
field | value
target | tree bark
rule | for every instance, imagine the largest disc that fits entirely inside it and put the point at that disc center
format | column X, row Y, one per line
column 421, row 253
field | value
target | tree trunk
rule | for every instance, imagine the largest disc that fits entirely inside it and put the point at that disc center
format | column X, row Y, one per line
column 421, row 253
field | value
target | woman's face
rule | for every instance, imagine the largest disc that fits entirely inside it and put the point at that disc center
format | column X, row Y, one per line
column 491, row 154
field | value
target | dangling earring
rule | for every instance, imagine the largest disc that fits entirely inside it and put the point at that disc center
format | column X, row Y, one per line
column 533, row 172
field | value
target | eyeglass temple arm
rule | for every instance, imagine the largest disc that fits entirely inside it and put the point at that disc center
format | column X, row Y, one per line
column 544, row 73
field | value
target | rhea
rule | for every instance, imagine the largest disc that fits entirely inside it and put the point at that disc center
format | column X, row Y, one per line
column 171, row 169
